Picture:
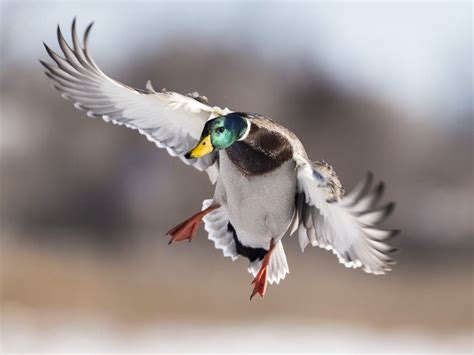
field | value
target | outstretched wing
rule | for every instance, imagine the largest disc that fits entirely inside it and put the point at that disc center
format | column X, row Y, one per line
column 346, row 225
column 169, row 119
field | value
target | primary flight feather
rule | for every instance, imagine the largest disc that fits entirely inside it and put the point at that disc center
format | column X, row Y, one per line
column 265, row 184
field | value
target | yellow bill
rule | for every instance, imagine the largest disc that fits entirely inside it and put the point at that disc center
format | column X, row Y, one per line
column 201, row 149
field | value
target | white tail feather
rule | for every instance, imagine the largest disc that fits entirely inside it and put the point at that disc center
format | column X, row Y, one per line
column 278, row 267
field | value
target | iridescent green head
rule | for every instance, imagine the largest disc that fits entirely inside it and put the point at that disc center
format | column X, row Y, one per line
column 220, row 133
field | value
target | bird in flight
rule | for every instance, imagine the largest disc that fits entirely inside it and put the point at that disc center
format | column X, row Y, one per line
column 266, row 187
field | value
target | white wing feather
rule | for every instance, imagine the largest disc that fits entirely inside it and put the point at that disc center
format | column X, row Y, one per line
column 169, row 119
column 347, row 225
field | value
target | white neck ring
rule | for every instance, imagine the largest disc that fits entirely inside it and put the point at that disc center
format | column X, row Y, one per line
column 246, row 131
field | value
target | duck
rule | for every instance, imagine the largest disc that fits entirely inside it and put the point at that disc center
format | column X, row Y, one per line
column 266, row 187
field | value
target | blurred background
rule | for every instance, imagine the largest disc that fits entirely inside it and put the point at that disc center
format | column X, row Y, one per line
column 84, row 205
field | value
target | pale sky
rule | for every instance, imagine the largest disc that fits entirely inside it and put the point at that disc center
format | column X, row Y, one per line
column 417, row 56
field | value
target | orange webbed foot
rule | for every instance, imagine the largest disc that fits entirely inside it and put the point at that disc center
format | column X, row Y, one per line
column 187, row 230
column 260, row 281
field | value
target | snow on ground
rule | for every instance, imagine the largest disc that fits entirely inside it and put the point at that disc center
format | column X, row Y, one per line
column 89, row 334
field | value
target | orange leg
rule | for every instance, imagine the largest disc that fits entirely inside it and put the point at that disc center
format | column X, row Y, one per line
column 189, row 228
column 260, row 280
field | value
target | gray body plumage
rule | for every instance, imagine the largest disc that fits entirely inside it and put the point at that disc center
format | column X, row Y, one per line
column 260, row 207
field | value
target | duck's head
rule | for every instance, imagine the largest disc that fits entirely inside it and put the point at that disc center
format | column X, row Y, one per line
column 220, row 133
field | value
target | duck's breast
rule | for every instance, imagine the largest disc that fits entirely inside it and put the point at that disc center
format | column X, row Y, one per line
column 260, row 207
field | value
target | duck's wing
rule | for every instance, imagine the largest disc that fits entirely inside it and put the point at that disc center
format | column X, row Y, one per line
column 346, row 225
column 169, row 119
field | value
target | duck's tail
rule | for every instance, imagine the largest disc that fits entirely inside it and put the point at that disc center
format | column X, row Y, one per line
column 278, row 267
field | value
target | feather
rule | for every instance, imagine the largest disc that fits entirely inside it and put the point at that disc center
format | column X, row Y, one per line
column 346, row 225
column 169, row 119
column 277, row 268
column 215, row 224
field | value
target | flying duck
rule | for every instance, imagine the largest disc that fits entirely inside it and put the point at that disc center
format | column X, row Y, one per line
column 265, row 185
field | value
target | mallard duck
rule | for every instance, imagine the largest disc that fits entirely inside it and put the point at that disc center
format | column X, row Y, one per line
column 265, row 185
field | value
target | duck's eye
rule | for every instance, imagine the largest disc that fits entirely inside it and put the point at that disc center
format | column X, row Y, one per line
column 220, row 129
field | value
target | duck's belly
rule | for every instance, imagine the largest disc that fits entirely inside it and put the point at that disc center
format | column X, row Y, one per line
column 260, row 207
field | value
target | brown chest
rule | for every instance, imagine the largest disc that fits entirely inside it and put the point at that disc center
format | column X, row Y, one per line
column 260, row 153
